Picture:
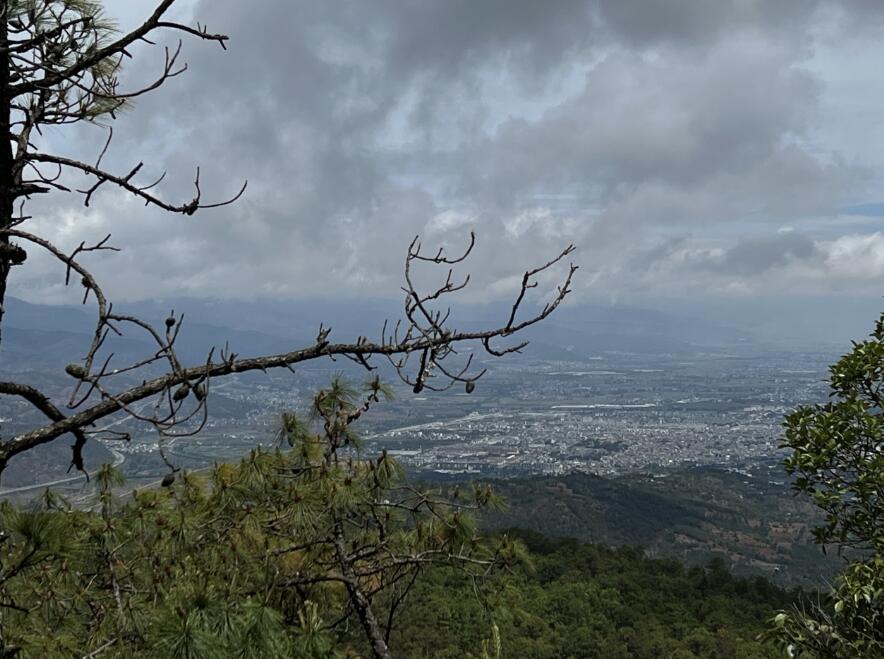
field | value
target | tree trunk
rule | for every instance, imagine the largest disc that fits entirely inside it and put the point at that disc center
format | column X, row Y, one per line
column 360, row 602
column 5, row 205
column 6, row 159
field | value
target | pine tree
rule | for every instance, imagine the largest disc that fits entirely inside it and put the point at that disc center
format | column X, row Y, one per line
column 311, row 548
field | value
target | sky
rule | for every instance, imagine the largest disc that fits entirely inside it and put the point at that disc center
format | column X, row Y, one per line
column 705, row 156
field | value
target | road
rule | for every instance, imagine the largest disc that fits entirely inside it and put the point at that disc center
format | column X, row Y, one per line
column 119, row 458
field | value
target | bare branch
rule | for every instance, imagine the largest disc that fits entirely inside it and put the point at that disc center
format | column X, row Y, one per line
column 125, row 182
column 42, row 403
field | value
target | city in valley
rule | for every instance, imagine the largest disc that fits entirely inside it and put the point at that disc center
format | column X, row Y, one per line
column 609, row 414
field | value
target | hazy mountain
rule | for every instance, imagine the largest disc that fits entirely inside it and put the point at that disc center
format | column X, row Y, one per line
column 43, row 336
column 47, row 336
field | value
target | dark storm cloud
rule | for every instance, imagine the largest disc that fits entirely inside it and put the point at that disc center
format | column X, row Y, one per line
column 613, row 124
column 689, row 22
column 758, row 255
column 639, row 123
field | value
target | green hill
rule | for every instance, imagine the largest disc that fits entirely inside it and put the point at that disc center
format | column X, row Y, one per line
column 582, row 601
column 756, row 526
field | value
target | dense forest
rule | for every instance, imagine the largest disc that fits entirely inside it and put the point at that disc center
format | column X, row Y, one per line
column 580, row 600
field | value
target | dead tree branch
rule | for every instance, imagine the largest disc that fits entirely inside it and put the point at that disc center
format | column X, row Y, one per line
column 63, row 62
column 425, row 336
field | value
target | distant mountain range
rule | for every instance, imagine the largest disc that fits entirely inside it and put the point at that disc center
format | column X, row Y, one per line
column 43, row 337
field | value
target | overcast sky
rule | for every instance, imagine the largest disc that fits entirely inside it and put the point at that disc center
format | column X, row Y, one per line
column 692, row 150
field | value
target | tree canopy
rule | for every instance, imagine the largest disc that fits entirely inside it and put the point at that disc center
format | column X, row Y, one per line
column 837, row 458
column 305, row 551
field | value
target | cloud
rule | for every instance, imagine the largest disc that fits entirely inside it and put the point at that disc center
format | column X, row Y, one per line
column 663, row 138
column 857, row 257
column 783, row 263
column 760, row 255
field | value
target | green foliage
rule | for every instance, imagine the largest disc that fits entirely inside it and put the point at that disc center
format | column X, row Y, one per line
column 838, row 448
column 66, row 33
column 849, row 626
column 308, row 551
column 838, row 459
column 583, row 601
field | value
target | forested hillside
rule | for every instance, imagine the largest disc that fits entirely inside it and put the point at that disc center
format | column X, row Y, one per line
column 250, row 569
column 757, row 526
column 581, row 601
